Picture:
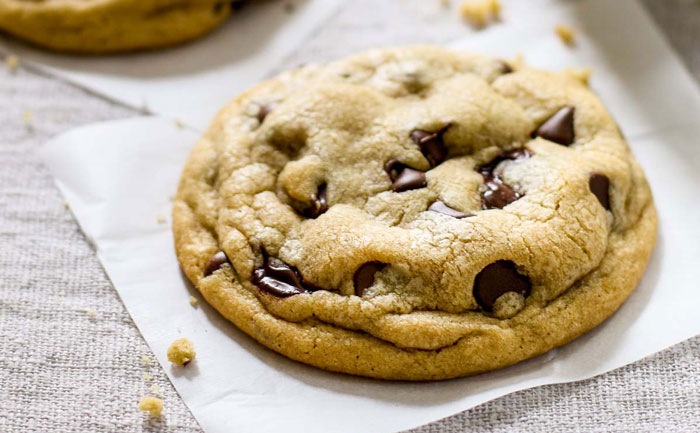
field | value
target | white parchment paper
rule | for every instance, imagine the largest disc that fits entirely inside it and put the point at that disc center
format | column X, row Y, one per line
column 192, row 81
column 117, row 177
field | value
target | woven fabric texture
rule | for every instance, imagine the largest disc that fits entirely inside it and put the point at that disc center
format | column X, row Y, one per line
column 71, row 357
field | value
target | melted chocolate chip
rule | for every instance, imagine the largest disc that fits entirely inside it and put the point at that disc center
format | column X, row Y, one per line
column 318, row 203
column 487, row 169
column 559, row 128
column 409, row 179
column 364, row 276
column 265, row 109
column 394, row 167
column 431, row 145
column 600, row 187
column 499, row 195
column 442, row 208
column 404, row 178
column 215, row 263
column 278, row 278
column 496, row 279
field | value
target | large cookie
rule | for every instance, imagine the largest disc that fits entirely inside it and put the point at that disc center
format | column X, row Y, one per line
column 414, row 213
column 105, row 26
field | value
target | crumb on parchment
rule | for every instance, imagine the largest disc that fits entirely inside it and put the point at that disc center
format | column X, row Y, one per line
column 27, row 117
column 480, row 12
column 181, row 352
column 12, row 62
column 152, row 405
column 194, row 301
column 161, row 219
column 566, row 33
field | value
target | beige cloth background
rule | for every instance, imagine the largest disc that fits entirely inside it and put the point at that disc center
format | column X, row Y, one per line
column 65, row 370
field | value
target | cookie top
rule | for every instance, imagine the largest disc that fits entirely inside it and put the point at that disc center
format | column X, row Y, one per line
column 414, row 213
column 107, row 26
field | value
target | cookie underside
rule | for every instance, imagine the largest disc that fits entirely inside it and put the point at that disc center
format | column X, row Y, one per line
column 452, row 340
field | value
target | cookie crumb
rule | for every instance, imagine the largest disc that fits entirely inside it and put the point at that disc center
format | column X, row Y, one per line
column 179, row 123
column 145, row 360
column 480, row 12
column 566, row 33
column 90, row 313
column 12, row 63
column 147, row 376
column 65, row 204
column 581, row 74
column 152, row 405
column 27, row 116
column 194, row 301
column 181, row 352
column 444, row 2
column 161, row 219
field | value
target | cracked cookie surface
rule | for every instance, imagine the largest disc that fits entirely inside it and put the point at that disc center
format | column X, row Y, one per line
column 106, row 26
column 414, row 213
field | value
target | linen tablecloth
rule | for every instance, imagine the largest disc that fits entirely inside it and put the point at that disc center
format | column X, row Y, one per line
column 71, row 359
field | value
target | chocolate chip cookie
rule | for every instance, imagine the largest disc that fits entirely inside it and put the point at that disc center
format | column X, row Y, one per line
column 106, row 26
column 414, row 213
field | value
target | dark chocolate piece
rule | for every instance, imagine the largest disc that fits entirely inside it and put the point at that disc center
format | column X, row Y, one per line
column 404, row 178
column 265, row 109
column 215, row 263
column 559, row 128
column 364, row 276
column 278, row 278
column 499, row 195
column 600, row 187
column 431, row 145
column 318, row 203
column 496, row 279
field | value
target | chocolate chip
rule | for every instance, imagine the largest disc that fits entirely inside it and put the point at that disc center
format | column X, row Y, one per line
column 404, row 178
column 318, row 203
column 409, row 179
column 364, row 276
column 394, row 167
column 600, row 187
column 499, row 195
column 442, row 208
column 265, row 109
column 215, row 263
column 496, row 279
column 505, row 67
column 431, row 145
column 559, row 128
column 519, row 154
column 278, row 278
